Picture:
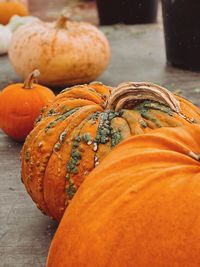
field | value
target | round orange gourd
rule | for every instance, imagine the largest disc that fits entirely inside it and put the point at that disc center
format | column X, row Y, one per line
column 20, row 105
column 9, row 8
column 140, row 207
column 82, row 126
column 66, row 52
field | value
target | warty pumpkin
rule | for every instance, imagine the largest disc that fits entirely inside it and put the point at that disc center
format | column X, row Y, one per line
column 139, row 207
column 82, row 125
column 20, row 105
column 66, row 52
column 9, row 8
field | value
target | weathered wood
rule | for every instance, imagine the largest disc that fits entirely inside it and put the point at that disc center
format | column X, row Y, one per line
column 138, row 54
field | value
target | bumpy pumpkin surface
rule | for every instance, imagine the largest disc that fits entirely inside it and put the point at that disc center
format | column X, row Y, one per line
column 8, row 8
column 139, row 207
column 66, row 52
column 82, row 126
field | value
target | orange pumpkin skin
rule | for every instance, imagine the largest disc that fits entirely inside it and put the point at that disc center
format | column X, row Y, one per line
column 81, row 127
column 9, row 8
column 19, row 107
column 139, row 207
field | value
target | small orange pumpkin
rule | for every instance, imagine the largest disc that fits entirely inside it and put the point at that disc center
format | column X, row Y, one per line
column 20, row 105
column 8, row 8
column 140, row 207
column 82, row 126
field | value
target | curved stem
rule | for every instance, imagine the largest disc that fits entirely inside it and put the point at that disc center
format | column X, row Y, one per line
column 131, row 93
column 61, row 22
column 32, row 77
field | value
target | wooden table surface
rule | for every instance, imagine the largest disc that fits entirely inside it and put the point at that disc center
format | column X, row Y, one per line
column 138, row 54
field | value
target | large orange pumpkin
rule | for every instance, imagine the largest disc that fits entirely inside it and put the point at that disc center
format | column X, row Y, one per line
column 8, row 8
column 81, row 127
column 139, row 208
column 20, row 105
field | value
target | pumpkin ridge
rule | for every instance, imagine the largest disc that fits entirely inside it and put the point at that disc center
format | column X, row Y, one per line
column 60, row 107
column 119, row 131
column 146, row 104
column 150, row 117
column 83, row 93
column 131, row 119
column 159, row 140
column 102, row 89
column 52, row 122
column 71, row 88
column 161, row 172
column 106, row 136
column 61, row 118
column 72, row 132
column 25, row 165
column 85, row 137
column 41, row 136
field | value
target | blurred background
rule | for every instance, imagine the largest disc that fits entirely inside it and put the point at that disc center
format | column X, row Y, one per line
column 82, row 9
column 49, row 10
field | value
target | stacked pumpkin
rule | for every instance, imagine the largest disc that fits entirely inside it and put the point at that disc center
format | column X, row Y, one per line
column 82, row 126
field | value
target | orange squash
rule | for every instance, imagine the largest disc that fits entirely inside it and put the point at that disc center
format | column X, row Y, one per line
column 20, row 105
column 139, row 207
column 82, row 126
column 8, row 8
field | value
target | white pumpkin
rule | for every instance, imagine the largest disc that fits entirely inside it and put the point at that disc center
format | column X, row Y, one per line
column 17, row 21
column 5, row 37
column 12, row 26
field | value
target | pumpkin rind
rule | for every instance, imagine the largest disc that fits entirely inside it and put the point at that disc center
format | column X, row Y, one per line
column 20, row 105
column 139, row 208
column 72, row 54
column 77, row 131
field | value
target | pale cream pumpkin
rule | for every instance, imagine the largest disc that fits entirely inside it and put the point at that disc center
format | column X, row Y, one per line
column 66, row 52
column 18, row 21
column 5, row 37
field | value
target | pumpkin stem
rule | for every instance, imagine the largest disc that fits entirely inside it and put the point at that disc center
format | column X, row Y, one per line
column 128, row 95
column 61, row 22
column 32, row 77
